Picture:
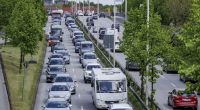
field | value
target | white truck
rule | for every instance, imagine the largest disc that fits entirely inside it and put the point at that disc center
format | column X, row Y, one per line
column 109, row 85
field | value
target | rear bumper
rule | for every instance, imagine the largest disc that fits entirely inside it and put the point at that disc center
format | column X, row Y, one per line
column 184, row 104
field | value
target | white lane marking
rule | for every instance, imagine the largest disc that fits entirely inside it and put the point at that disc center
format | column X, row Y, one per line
column 173, row 85
column 81, row 107
column 162, row 76
column 79, row 96
column 73, row 70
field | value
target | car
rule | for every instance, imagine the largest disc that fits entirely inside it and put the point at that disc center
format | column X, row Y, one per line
column 57, row 47
column 117, row 48
column 102, row 15
column 55, row 55
column 131, row 66
column 77, row 46
column 88, row 57
column 60, row 90
column 78, row 38
column 120, row 106
column 70, row 25
column 65, row 78
column 101, row 34
column 69, row 20
column 95, row 16
column 89, row 19
column 73, row 26
column 170, row 67
column 94, row 29
column 55, row 61
column 66, row 55
column 77, row 32
column 53, row 40
column 180, row 97
column 117, row 26
column 88, row 69
column 53, row 70
column 90, row 23
column 57, row 104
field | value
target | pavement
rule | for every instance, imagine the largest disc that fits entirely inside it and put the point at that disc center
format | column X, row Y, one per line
column 4, row 102
column 165, row 83
column 82, row 100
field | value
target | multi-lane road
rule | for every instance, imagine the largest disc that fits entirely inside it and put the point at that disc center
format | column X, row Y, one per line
column 82, row 100
column 165, row 83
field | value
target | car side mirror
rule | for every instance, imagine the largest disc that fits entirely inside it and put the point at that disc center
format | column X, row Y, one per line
column 169, row 92
column 50, row 32
column 47, row 63
column 92, row 84
column 43, row 106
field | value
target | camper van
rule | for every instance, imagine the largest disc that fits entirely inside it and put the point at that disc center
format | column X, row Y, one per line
column 109, row 86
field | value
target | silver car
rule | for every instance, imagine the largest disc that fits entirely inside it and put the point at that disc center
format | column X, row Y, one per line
column 60, row 90
column 57, row 104
column 88, row 57
column 65, row 54
column 66, row 79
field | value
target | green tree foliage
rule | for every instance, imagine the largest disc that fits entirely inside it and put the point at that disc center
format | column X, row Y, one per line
column 135, row 40
column 6, row 7
column 173, row 11
column 25, row 28
column 190, row 37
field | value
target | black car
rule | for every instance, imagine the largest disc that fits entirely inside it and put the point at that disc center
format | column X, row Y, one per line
column 56, row 61
column 57, row 47
column 77, row 46
column 117, row 26
column 101, row 34
column 95, row 16
column 90, row 23
column 52, row 71
column 102, row 15
column 78, row 39
column 131, row 66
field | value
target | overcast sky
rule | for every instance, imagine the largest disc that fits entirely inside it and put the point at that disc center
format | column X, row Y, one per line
column 104, row 2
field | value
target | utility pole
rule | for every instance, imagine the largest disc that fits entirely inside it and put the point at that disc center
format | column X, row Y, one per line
column 83, row 6
column 114, row 35
column 126, row 10
column 147, row 47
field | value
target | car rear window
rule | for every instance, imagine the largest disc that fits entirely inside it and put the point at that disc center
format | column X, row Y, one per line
column 185, row 93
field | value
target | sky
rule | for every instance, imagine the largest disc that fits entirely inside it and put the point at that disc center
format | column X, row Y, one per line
column 104, row 2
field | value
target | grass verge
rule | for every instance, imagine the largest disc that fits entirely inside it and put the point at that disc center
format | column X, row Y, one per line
column 22, row 86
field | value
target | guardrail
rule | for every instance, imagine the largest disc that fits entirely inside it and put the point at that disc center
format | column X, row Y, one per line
column 134, row 88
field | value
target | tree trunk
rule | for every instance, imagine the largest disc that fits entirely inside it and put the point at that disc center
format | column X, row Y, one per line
column 21, row 60
column 142, row 86
column 152, row 86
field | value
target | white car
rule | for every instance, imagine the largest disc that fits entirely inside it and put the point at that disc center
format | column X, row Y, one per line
column 66, row 55
column 57, row 104
column 88, row 57
column 60, row 90
column 120, row 106
column 75, row 33
column 88, row 70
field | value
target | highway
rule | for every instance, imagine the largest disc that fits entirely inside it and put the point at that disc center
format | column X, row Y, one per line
column 82, row 99
column 165, row 83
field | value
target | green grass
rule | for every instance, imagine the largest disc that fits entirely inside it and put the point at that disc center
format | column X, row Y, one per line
column 11, row 58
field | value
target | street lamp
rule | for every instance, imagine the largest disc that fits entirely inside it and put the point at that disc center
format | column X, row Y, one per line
column 114, row 36
column 126, row 10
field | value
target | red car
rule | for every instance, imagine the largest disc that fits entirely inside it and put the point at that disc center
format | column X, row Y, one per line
column 181, row 98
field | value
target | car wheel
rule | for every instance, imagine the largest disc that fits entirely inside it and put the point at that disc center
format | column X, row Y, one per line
column 168, row 102
column 85, row 81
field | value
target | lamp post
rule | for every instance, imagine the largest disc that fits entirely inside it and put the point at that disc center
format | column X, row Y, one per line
column 83, row 6
column 126, row 10
column 147, row 48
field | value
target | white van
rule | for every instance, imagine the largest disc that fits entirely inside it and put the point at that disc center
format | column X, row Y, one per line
column 109, row 85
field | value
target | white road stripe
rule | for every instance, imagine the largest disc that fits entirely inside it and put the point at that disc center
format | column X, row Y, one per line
column 162, row 76
column 173, row 84
column 79, row 96
column 81, row 107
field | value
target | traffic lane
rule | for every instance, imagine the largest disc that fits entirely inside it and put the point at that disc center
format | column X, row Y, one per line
column 164, row 83
column 82, row 99
column 4, row 102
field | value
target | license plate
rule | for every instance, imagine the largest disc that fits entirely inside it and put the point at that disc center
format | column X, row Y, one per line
column 186, row 99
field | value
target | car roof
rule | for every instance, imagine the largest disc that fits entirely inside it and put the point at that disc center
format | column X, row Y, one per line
column 63, row 75
column 89, row 53
column 58, row 66
column 120, row 105
column 56, row 99
column 90, row 64
column 58, row 83
column 77, row 31
column 56, row 59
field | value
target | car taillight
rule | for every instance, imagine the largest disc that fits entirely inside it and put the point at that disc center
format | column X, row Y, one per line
column 177, row 98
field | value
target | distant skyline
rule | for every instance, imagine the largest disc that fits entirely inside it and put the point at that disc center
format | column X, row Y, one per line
column 104, row 2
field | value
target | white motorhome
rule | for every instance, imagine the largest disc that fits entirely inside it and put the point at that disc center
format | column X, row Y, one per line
column 109, row 85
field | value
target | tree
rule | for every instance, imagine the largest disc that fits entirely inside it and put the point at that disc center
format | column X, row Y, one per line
column 24, row 29
column 190, row 51
column 136, row 38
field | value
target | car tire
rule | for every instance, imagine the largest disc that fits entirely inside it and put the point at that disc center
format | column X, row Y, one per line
column 168, row 102
column 85, row 81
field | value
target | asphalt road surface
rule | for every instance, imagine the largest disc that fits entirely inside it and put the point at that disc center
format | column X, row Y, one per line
column 165, row 83
column 82, row 100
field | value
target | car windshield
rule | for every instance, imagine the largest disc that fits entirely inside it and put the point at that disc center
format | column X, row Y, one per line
column 89, row 67
column 57, row 104
column 56, row 31
column 78, row 33
column 63, row 79
column 89, row 56
column 59, row 88
column 78, row 36
column 185, row 93
column 56, row 56
column 59, row 48
column 64, row 53
column 53, row 38
column 111, row 86
column 77, row 44
column 87, row 46
column 56, row 69
column 71, row 21
column 56, row 62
